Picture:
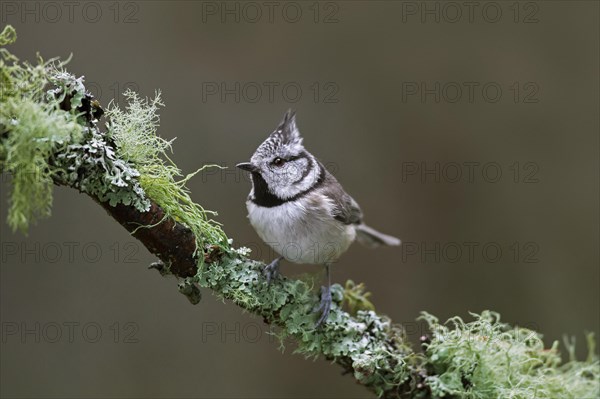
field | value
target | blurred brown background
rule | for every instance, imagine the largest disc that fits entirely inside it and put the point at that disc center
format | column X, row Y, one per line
column 376, row 86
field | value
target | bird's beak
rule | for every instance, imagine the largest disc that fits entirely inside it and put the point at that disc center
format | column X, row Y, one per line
column 247, row 166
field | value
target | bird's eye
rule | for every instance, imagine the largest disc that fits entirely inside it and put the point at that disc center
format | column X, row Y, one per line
column 278, row 161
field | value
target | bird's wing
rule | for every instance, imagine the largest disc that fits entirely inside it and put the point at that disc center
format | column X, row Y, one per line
column 346, row 210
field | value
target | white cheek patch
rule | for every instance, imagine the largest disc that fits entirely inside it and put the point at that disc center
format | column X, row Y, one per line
column 295, row 171
column 310, row 174
column 297, row 178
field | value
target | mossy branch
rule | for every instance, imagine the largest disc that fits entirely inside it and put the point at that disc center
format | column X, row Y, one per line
column 50, row 134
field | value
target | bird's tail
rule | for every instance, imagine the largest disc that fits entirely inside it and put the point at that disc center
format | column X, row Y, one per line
column 372, row 238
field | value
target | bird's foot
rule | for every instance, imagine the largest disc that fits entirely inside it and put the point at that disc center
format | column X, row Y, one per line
column 324, row 306
column 272, row 270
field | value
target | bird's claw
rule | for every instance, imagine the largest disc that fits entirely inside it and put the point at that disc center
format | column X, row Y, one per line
column 272, row 270
column 324, row 306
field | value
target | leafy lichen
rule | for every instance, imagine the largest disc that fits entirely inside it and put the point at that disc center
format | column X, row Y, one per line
column 370, row 345
column 92, row 164
column 93, row 168
column 356, row 297
column 483, row 358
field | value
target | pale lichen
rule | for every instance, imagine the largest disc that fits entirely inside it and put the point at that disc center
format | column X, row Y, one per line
column 486, row 358
column 49, row 136
column 93, row 168
column 134, row 131
column 38, row 129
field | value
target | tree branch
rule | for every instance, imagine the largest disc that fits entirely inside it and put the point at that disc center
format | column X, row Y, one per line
column 173, row 243
column 368, row 346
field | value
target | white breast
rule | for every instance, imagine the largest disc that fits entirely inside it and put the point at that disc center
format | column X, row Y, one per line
column 302, row 231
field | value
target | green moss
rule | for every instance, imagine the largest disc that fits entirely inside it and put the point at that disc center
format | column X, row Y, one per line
column 37, row 132
column 356, row 297
column 489, row 359
column 50, row 134
column 133, row 130
column 8, row 35
column 38, row 129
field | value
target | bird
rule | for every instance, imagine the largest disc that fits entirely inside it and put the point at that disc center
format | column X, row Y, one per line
column 300, row 210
